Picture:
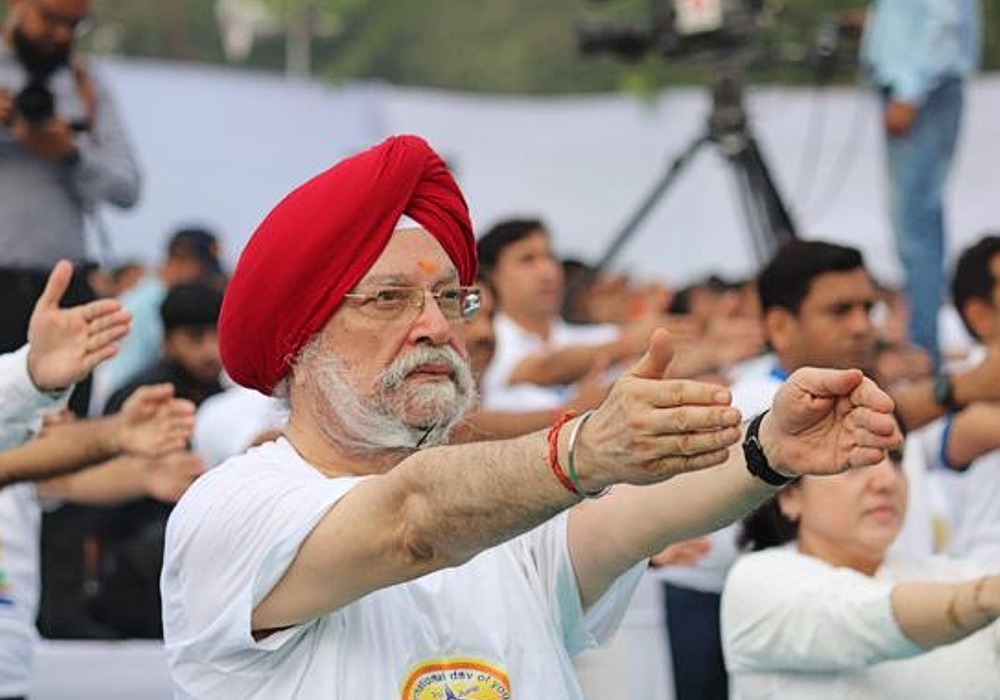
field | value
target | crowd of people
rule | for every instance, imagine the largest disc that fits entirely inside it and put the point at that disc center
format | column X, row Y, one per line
column 387, row 456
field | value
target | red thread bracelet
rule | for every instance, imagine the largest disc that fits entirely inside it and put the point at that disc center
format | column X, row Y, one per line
column 553, row 441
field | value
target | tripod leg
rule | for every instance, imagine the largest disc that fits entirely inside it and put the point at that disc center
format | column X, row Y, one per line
column 775, row 222
column 640, row 214
column 753, row 215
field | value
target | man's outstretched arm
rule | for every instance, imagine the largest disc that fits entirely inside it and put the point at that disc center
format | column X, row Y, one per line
column 822, row 422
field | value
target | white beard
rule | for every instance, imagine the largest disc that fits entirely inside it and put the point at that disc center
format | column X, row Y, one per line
column 396, row 417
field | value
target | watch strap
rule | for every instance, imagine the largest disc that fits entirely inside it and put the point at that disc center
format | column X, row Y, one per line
column 757, row 463
column 944, row 392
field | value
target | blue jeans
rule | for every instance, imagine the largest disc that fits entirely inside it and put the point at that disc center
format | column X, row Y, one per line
column 919, row 162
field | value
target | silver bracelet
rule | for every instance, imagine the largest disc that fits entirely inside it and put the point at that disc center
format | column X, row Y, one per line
column 571, row 462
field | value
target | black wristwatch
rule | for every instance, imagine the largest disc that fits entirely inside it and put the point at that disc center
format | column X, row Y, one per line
column 757, row 463
column 944, row 392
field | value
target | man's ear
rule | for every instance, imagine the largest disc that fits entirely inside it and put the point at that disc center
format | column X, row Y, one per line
column 981, row 317
column 777, row 324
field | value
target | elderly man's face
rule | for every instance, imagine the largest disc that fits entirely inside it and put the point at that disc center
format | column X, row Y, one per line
column 389, row 381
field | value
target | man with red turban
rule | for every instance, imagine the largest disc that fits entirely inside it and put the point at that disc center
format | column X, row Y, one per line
column 357, row 557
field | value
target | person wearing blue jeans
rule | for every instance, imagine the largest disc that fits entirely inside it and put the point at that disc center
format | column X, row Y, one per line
column 918, row 54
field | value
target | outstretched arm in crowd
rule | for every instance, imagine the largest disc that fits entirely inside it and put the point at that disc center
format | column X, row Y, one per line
column 916, row 402
column 151, row 422
column 973, row 433
column 822, row 422
column 442, row 506
column 164, row 478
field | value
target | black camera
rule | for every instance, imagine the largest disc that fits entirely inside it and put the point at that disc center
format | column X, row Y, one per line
column 35, row 103
column 676, row 28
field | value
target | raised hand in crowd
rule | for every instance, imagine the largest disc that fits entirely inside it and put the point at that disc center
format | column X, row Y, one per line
column 152, row 422
column 66, row 344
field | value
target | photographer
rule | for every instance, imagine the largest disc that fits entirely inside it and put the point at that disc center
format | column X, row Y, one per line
column 63, row 151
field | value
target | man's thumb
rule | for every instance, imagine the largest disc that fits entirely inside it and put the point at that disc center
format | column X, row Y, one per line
column 653, row 364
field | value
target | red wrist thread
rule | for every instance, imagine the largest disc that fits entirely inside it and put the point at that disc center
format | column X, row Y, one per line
column 553, row 441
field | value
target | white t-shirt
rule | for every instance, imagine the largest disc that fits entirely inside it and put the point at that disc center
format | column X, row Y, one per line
column 794, row 626
column 972, row 505
column 514, row 343
column 20, row 523
column 226, row 424
column 505, row 623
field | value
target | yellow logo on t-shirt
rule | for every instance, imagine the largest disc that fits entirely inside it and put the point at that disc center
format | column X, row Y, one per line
column 456, row 679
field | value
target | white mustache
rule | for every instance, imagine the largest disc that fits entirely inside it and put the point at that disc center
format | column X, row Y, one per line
column 400, row 369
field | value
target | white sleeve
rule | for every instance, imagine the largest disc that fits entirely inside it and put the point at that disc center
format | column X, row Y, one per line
column 20, row 400
column 227, row 546
column 548, row 549
column 783, row 611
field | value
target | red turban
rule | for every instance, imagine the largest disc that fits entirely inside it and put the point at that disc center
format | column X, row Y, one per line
column 318, row 243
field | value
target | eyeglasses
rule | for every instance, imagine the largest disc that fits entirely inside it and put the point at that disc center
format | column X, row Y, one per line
column 76, row 25
column 391, row 303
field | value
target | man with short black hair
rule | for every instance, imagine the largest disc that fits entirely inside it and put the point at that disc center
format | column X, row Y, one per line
column 192, row 257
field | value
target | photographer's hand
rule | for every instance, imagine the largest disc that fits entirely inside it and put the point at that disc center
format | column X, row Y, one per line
column 899, row 117
column 54, row 140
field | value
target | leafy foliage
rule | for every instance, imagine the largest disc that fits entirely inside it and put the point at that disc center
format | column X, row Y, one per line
column 523, row 46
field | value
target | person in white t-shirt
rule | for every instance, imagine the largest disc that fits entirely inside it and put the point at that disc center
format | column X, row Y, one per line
column 229, row 423
column 357, row 557
column 539, row 357
column 825, row 609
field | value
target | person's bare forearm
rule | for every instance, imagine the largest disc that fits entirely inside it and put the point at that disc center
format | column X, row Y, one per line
column 65, row 449
column 436, row 509
column 565, row 365
column 611, row 534
column 974, row 433
column 915, row 403
column 933, row 614
column 116, row 480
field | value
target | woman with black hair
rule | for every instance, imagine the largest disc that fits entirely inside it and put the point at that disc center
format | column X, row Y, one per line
column 823, row 609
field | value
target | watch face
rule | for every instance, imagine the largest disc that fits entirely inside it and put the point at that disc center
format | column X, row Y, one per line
column 943, row 391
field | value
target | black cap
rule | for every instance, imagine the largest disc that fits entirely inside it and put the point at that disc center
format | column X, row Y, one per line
column 191, row 305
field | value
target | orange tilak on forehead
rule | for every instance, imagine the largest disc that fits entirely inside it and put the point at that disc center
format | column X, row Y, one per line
column 428, row 266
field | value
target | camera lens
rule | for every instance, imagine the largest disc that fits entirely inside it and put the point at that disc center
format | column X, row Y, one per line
column 35, row 103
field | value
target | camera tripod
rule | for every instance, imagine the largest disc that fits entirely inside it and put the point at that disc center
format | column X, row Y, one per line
column 768, row 220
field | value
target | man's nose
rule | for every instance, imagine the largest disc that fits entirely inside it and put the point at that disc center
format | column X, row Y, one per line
column 432, row 323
